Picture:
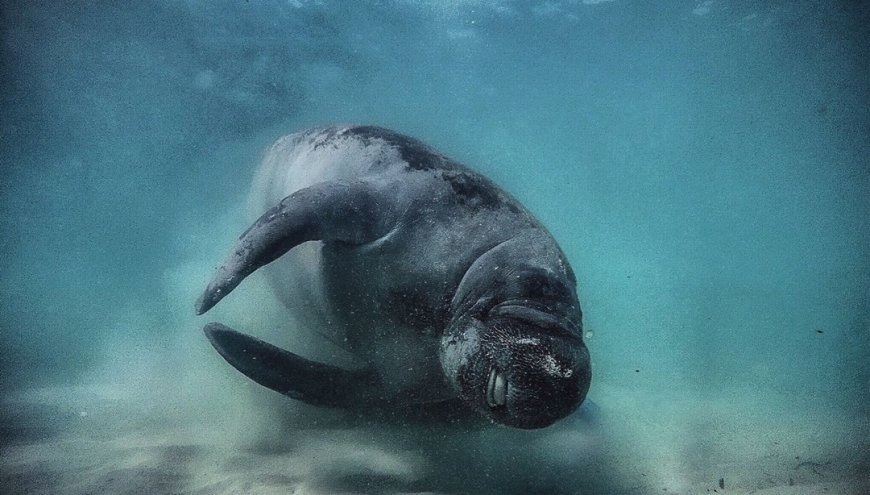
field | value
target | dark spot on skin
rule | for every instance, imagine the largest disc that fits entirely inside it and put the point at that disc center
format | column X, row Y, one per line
column 415, row 153
column 474, row 190
column 637, row 371
column 819, row 330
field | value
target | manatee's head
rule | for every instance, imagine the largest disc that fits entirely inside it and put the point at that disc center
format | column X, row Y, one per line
column 518, row 370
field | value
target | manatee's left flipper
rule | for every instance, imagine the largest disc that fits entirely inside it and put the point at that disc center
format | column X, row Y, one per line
column 354, row 212
column 294, row 376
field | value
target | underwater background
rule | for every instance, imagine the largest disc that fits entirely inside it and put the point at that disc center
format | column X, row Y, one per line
column 705, row 166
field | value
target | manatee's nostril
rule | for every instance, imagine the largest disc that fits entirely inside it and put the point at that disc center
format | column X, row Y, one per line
column 496, row 389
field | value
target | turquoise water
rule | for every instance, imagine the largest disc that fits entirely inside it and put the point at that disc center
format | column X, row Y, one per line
column 704, row 165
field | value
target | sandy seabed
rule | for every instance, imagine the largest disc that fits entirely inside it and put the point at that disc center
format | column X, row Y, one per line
column 110, row 440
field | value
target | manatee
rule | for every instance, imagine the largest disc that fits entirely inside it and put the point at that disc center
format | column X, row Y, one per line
column 443, row 286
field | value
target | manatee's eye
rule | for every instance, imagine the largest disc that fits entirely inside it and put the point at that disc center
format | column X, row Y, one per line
column 496, row 389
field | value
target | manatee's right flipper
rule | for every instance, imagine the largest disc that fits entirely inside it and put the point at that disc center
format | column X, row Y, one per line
column 353, row 212
column 294, row 376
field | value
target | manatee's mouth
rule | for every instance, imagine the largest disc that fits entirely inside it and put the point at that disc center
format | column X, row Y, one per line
column 496, row 389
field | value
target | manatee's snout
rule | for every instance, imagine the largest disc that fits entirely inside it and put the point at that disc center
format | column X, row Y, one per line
column 524, row 376
column 535, row 382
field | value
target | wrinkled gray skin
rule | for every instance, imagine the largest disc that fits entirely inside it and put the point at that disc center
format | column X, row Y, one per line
column 440, row 282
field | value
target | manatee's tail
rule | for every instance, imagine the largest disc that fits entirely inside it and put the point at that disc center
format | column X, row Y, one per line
column 294, row 376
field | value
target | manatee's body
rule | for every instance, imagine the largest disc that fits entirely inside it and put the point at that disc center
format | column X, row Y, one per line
column 440, row 283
